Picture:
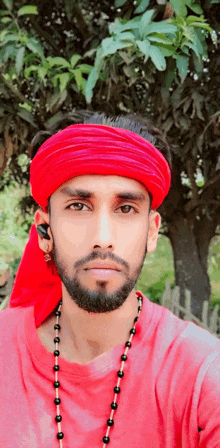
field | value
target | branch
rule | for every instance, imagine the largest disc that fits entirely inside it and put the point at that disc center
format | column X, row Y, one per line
column 82, row 25
column 191, row 205
column 212, row 182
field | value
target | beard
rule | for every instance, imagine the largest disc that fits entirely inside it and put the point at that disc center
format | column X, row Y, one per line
column 89, row 300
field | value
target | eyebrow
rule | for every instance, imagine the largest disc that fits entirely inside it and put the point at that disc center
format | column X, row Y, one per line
column 79, row 193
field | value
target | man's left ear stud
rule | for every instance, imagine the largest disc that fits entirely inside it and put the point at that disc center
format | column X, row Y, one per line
column 42, row 231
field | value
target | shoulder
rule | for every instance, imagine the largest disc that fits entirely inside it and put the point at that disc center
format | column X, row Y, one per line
column 10, row 319
column 173, row 334
column 189, row 337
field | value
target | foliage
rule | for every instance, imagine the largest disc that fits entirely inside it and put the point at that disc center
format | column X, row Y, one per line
column 141, row 37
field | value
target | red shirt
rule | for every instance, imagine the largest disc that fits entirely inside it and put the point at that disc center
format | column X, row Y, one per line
column 171, row 386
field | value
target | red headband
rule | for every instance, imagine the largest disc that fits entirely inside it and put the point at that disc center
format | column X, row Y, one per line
column 75, row 151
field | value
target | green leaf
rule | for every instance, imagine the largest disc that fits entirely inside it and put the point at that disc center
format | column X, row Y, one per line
column 6, row 19
column 157, row 58
column 192, row 19
column 119, row 3
column 10, row 38
column 6, row 52
column 200, row 42
column 110, row 46
column 35, row 47
column 196, row 8
column 78, row 77
column 161, row 27
column 3, row 12
column 204, row 26
column 192, row 47
column 19, row 59
column 8, row 4
column 198, row 64
column 29, row 70
column 64, row 79
column 163, row 39
column 74, row 59
column 144, row 46
column 179, row 7
column 91, row 82
column 144, row 22
column 166, row 50
column 42, row 72
column 28, row 9
column 85, row 68
column 126, row 35
column 141, row 8
column 182, row 63
column 117, row 27
column 58, row 61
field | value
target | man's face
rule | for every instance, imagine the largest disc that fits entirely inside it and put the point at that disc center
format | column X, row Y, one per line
column 100, row 228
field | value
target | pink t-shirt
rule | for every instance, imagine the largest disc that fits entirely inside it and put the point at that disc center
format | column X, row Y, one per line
column 170, row 388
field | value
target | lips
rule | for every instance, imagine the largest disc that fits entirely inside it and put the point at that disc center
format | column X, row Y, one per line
column 99, row 265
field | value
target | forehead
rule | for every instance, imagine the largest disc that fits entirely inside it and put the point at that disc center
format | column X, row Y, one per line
column 103, row 184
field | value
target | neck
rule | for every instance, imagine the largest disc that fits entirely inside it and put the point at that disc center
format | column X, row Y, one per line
column 85, row 336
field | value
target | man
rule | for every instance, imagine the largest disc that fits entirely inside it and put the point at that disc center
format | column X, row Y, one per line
column 104, row 365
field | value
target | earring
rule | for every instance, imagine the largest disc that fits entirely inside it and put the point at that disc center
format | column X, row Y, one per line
column 47, row 257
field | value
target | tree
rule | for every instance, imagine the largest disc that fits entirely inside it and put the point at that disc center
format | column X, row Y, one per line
column 157, row 59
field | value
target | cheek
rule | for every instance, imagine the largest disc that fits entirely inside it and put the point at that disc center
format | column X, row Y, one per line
column 133, row 239
column 70, row 234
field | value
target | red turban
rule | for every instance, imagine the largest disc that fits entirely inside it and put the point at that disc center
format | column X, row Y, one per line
column 75, row 151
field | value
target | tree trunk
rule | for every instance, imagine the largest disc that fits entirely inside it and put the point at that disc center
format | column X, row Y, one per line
column 190, row 251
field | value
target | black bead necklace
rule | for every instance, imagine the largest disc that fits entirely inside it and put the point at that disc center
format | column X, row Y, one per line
column 120, row 374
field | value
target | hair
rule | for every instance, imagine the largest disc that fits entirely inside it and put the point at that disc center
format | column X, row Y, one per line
column 134, row 123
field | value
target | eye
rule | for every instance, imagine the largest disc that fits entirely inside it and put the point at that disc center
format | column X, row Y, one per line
column 130, row 206
column 81, row 204
column 77, row 203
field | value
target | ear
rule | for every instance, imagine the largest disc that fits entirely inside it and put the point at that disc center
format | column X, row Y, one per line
column 153, row 230
column 41, row 217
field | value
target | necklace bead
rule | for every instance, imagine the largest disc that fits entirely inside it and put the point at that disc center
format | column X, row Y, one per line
column 117, row 390
column 114, row 405
column 56, row 339
column 60, row 435
column 58, row 418
column 110, row 422
column 56, row 368
column 120, row 374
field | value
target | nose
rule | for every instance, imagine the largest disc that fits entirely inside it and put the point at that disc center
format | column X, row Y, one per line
column 103, row 236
